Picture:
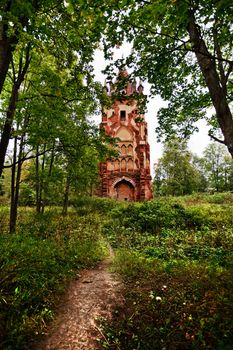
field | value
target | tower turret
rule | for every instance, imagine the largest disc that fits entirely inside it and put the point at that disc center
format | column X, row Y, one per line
column 126, row 177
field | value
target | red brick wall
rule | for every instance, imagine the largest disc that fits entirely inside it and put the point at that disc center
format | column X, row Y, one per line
column 128, row 176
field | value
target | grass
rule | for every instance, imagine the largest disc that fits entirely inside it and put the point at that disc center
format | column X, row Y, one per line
column 175, row 257
column 36, row 265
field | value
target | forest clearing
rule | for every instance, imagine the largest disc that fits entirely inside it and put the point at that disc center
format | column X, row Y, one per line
column 172, row 255
column 94, row 253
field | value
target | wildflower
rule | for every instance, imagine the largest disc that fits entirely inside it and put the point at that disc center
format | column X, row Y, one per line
column 158, row 298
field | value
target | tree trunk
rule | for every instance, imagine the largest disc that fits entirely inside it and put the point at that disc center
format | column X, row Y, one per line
column 7, row 45
column 37, row 181
column 42, row 185
column 6, row 132
column 14, row 208
column 66, row 197
column 209, row 71
column 13, row 170
column 6, row 48
column 46, row 183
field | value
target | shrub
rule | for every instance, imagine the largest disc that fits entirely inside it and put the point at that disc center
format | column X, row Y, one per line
column 176, row 260
column 84, row 205
column 35, row 265
column 154, row 216
column 27, row 196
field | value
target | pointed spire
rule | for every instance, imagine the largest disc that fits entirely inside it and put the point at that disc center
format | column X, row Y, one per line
column 134, row 85
column 123, row 72
column 140, row 87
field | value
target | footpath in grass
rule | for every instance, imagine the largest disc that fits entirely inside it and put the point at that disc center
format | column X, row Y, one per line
column 176, row 259
column 37, row 264
column 88, row 299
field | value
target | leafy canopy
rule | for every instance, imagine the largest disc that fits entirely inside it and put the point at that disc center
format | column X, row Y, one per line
column 166, row 52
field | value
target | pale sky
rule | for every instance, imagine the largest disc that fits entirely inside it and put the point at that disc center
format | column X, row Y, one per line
column 197, row 142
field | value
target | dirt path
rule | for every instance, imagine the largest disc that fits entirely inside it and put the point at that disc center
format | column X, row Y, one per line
column 91, row 296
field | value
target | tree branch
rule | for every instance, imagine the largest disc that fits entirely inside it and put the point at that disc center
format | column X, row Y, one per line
column 154, row 32
column 219, row 54
column 216, row 139
column 57, row 149
column 229, row 71
column 30, row 157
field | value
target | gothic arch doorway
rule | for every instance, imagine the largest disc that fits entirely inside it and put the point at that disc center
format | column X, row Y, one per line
column 124, row 190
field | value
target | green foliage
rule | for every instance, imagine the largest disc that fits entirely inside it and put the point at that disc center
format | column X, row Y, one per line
column 4, row 213
column 35, row 265
column 157, row 215
column 218, row 167
column 203, row 198
column 175, row 256
column 175, row 172
column 1, row 187
column 84, row 205
column 179, row 172
column 173, row 44
column 27, row 195
column 188, row 309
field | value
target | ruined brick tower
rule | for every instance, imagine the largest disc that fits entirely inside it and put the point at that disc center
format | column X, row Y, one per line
column 126, row 177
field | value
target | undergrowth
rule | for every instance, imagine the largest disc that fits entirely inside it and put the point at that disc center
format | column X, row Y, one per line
column 175, row 257
column 36, row 265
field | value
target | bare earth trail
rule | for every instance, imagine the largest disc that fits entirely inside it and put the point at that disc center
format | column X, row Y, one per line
column 92, row 295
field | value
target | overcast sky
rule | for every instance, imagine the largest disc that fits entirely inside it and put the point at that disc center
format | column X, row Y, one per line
column 197, row 142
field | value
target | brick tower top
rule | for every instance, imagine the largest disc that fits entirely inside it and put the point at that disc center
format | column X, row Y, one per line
column 126, row 177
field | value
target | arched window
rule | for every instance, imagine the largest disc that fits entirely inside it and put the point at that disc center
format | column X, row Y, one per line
column 123, row 165
column 130, row 164
column 122, row 115
column 123, row 149
column 130, row 149
column 110, row 166
column 117, row 165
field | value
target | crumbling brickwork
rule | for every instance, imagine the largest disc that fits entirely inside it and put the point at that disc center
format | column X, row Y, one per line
column 126, row 177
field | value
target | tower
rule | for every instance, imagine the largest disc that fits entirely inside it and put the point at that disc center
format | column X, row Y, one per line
column 126, row 177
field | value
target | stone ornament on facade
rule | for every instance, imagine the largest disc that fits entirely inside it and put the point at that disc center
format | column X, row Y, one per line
column 127, row 177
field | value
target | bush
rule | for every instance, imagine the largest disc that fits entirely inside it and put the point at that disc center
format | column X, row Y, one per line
column 154, row 216
column 176, row 261
column 27, row 196
column 220, row 198
column 84, row 205
column 35, row 265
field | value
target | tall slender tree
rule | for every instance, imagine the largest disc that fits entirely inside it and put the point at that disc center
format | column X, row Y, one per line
column 67, row 30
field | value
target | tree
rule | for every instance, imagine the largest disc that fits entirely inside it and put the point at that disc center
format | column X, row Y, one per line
column 67, row 30
column 184, row 49
column 49, row 118
column 218, row 167
column 174, row 173
column 14, row 20
column 61, row 26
